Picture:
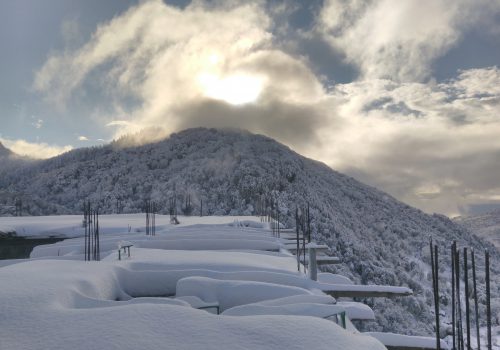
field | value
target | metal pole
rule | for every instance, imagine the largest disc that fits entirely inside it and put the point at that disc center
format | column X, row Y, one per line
column 488, row 306
column 95, row 235
column 297, row 231
column 98, row 239
column 476, row 307
column 85, row 226
column 89, row 222
column 436, row 312
column 459, row 304
column 453, row 247
column 436, row 268
column 467, row 308
column 304, row 249
column 313, row 267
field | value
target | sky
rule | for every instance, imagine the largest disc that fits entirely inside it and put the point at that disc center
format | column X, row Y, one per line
column 401, row 95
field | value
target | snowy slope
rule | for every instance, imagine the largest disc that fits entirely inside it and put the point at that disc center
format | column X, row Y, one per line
column 486, row 226
column 379, row 239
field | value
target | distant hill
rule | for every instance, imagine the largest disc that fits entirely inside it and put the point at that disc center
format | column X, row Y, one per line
column 10, row 162
column 379, row 239
column 486, row 226
column 5, row 152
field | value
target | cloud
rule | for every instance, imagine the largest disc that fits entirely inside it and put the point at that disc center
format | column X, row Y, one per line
column 401, row 39
column 33, row 149
column 443, row 158
column 83, row 138
column 433, row 145
column 194, row 63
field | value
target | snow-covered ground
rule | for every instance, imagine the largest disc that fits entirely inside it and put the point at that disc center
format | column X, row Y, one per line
column 145, row 301
column 70, row 226
column 166, row 293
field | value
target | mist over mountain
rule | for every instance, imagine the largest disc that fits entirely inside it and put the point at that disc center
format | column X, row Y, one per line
column 379, row 239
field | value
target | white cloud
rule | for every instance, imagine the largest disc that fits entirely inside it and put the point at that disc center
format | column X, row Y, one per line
column 37, row 150
column 400, row 39
column 166, row 70
column 434, row 146
column 83, row 138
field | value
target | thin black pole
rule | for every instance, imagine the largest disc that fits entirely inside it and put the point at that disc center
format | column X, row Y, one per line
column 98, row 248
column 85, row 226
column 147, row 217
column 89, row 221
column 476, row 307
column 467, row 308
column 95, row 235
column 453, row 247
column 297, row 231
column 433, row 268
column 488, row 306
column 91, row 252
column 436, row 268
column 308, row 223
column 459, row 304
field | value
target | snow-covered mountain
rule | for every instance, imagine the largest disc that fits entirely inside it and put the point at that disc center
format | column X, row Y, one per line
column 379, row 239
column 486, row 226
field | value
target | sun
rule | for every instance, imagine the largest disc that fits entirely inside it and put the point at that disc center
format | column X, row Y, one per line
column 235, row 89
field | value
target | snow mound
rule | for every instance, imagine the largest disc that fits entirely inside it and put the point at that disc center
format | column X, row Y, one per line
column 233, row 293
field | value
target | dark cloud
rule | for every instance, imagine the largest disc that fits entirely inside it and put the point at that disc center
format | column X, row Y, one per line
column 295, row 125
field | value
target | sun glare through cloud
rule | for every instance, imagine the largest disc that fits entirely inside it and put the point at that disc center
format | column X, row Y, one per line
column 237, row 89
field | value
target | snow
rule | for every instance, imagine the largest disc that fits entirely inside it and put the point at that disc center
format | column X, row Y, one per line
column 391, row 339
column 355, row 311
column 331, row 278
column 164, row 298
column 233, row 293
column 76, row 307
column 70, row 226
